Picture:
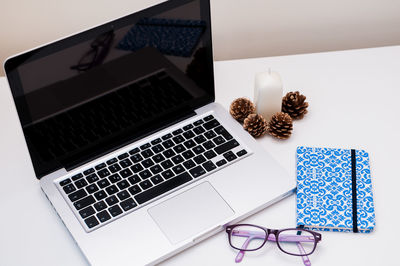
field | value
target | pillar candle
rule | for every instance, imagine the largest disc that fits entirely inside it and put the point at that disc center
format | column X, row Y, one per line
column 268, row 93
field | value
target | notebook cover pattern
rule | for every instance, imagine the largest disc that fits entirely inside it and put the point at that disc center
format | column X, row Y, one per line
column 324, row 190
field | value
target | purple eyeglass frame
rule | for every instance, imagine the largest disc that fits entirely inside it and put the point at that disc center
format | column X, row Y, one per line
column 272, row 235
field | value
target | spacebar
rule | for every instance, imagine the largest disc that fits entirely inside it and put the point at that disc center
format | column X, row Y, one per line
column 163, row 187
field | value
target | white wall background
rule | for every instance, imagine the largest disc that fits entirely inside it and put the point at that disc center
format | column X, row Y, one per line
column 241, row 28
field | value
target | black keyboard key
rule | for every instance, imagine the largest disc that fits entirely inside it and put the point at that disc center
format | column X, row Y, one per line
column 92, row 178
column 65, row 182
column 222, row 131
column 158, row 158
column 179, row 148
column 76, row 177
column 188, row 134
column 134, row 179
column 123, row 195
column 134, row 190
column 177, row 159
column 147, row 163
column 112, row 161
column 125, row 163
column 199, row 159
column 209, row 166
column 112, row 190
column 86, row 212
column 123, row 156
column 111, row 200
column 103, row 183
column 134, row 151
column 92, row 188
column 91, row 222
column 197, row 171
column 189, row 144
column 200, row 139
column 145, row 174
column 125, row 173
column 114, row 168
column 69, row 188
column 208, row 118
column 156, row 169
column 198, row 122
column 82, row 203
column 77, row 195
column 100, row 195
column 219, row 140
column 100, row 166
column 167, row 174
column 226, row 146
column 187, row 154
column 178, row 139
column 178, row 169
column 137, row 168
column 156, row 179
column 101, row 205
column 168, row 144
column 115, row 210
column 177, row 132
column 198, row 130
column 145, row 184
column 210, row 154
column 230, row 156
column 169, row 153
column 158, row 148
column 103, row 173
column 198, row 149
column 167, row 136
column 167, row 164
column 147, row 153
column 187, row 127
column 88, row 171
column 136, row 158
column 210, row 134
column 128, row 204
column 162, row 188
column 241, row 153
column 81, row 183
column 189, row 164
column 221, row 162
column 145, row 146
column 114, row 178
column 103, row 216
column 156, row 141
column 211, row 124
column 123, row 184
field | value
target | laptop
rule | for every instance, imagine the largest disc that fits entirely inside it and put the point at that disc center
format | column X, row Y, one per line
column 127, row 142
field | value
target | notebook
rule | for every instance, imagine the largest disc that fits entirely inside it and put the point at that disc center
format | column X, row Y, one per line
column 334, row 190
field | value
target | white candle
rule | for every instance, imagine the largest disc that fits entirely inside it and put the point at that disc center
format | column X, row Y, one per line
column 268, row 93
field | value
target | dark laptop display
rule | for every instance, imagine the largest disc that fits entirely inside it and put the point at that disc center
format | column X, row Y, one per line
column 92, row 93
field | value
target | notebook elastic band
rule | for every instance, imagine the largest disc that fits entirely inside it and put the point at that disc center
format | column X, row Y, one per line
column 354, row 189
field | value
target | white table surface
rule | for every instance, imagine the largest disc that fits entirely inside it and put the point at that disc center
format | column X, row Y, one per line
column 354, row 99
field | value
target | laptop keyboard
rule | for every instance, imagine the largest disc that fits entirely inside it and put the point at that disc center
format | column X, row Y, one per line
column 130, row 180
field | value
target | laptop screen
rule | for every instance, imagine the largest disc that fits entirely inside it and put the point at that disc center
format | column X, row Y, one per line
column 86, row 95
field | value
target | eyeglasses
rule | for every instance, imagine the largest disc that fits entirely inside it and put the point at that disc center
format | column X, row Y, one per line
column 292, row 241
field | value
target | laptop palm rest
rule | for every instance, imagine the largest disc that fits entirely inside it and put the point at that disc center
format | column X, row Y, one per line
column 190, row 212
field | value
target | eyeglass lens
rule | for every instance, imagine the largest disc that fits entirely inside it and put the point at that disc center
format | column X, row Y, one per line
column 247, row 237
column 296, row 242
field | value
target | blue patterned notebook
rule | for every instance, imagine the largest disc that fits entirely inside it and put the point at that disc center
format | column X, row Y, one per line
column 327, row 197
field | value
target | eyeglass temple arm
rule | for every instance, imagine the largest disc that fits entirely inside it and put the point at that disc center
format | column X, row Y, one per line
column 254, row 235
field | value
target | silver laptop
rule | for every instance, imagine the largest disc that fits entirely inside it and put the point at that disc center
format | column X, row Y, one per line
column 127, row 141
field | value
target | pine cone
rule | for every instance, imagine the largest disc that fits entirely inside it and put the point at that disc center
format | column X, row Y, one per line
column 256, row 125
column 280, row 126
column 241, row 108
column 294, row 104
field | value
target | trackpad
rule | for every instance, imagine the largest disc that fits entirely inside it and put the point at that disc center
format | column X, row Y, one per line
column 191, row 212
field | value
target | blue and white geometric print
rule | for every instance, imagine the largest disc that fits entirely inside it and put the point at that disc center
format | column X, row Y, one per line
column 324, row 190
